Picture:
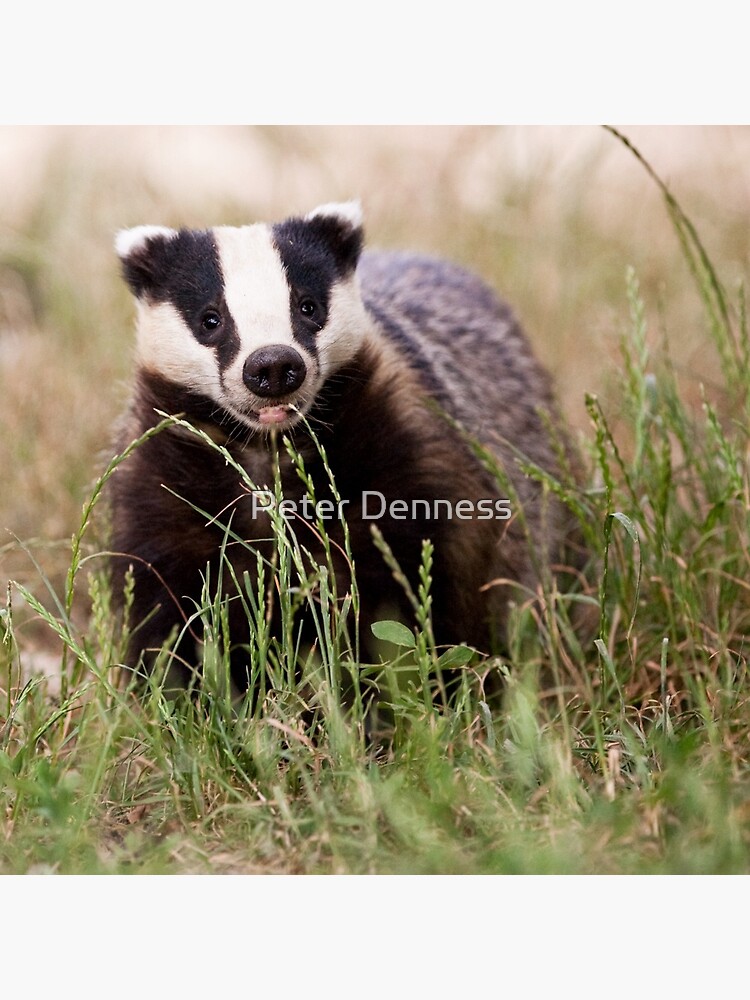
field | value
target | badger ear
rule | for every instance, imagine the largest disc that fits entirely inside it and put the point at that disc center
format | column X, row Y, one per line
column 142, row 252
column 346, row 212
column 340, row 224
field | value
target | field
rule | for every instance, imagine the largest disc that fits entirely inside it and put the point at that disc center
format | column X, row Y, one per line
column 622, row 749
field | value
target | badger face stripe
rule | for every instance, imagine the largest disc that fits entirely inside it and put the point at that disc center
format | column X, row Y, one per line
column 195, row 287
column 184, row 272
column 318, row 253
column 165, row 346
column 311, row 272
column 273, row 370
column 255, row 288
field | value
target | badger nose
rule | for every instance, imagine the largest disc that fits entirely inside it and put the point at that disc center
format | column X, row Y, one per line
column 274, row 371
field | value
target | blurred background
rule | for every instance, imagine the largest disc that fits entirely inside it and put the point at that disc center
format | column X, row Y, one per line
column 551, row 216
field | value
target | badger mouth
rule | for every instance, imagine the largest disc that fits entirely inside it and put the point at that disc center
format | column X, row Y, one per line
column 270, row 415
column 276, row 415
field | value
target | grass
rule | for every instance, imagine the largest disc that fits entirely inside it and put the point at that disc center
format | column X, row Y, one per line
column 620, row 751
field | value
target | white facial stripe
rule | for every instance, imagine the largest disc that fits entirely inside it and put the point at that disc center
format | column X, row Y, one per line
column 165, row 345
column 348, row 322
column 257, row 296
column 255, row 287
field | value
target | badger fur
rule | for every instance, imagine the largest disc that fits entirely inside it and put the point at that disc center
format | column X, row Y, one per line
column 389, row 358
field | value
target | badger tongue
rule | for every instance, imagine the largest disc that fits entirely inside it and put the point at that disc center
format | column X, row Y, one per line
column 273, row 415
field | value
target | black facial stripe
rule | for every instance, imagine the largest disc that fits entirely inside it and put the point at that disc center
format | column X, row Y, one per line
column 310, row 271
column 187, row 272
column 228, row 347
column 316, row 253
column 303, row 332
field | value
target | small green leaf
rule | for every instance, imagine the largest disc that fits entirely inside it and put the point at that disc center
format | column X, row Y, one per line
column 394, row 632
column 458, row 656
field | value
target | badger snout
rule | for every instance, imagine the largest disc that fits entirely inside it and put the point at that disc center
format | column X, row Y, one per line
column 274, row 372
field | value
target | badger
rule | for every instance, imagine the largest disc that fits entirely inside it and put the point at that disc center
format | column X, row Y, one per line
column 394, row 375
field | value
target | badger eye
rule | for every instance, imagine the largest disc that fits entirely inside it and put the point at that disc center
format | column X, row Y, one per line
column 308, row 308
column 210, row 321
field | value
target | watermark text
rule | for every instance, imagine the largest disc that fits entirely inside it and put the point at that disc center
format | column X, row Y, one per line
column 375, row 506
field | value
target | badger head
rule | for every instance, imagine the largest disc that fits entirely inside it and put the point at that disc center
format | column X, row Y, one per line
column 253, row 318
